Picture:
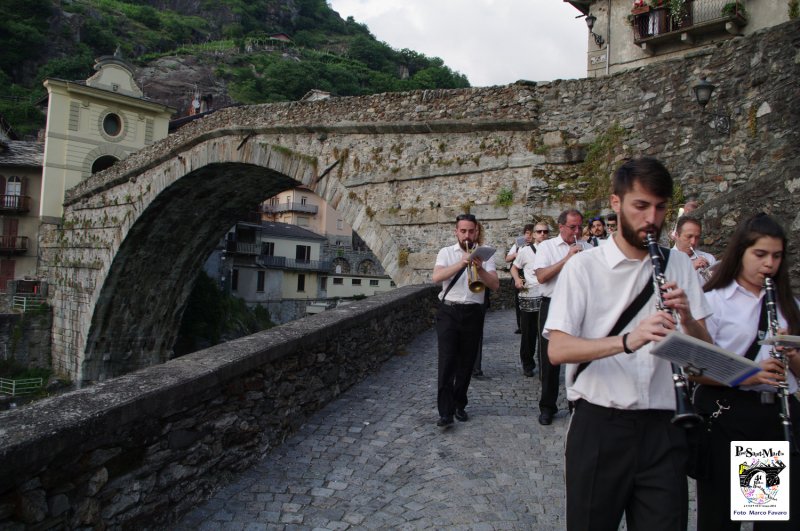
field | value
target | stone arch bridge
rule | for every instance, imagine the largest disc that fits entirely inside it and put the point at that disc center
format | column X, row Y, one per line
column 399, row 168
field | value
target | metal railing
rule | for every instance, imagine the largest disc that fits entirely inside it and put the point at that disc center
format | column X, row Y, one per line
column 13, row 244
column 659, row 21
column 290, row 207
column 293, row 263
column 16, row 203
column 24, row 386
column 28, row 303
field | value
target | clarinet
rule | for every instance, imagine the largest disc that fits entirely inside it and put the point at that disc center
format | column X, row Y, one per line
column 783, row 387
column 685, row 417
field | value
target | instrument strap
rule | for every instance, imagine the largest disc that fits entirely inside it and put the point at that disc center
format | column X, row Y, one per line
column 533, row 248
column 629, row 313
column 452, row 282
column 763, row 325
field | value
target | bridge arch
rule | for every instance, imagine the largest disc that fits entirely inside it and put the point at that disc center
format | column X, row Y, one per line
column 126, row 256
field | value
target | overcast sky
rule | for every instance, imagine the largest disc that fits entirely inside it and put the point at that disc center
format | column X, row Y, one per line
column 492, row 42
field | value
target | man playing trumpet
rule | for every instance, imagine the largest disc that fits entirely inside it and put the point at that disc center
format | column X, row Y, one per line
column 459, row 320
column 688, row 232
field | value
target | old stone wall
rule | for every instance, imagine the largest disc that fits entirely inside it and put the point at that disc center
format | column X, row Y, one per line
column 140, row 449
column 25, row 338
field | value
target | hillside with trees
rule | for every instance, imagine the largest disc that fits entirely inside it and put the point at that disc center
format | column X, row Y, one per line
column 233, row 50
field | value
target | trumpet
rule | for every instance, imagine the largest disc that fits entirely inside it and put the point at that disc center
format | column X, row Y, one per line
column 474, row 281
column 783, row 387
column 684, row 417
column 704, row 272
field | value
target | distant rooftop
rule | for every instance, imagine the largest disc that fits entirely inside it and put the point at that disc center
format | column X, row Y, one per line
column 284, row 230
column 21, row 153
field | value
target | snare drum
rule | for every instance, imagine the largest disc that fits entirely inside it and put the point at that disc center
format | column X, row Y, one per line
column 530, row 304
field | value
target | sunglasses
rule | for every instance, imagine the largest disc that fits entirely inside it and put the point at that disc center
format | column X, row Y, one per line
column 542, row 231
column 465, row 217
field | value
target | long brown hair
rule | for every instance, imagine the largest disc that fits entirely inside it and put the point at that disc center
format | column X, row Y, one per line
column 744, row 237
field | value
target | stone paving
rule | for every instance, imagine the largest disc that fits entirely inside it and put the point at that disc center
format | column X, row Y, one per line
column 374, row 459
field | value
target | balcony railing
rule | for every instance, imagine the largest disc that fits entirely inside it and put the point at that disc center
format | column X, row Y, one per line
column 15, row 203
column 290, row 207
column 292, row 263
column 657, row 24
column 13, row 244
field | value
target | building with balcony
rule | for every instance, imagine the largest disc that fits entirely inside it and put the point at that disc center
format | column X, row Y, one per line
column 302, row 207
column 631, row 33
column 20, row 192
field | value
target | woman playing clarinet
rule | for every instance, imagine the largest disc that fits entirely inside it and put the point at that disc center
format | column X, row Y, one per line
column 762, row 407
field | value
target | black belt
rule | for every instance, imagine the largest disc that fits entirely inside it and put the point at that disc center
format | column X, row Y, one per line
column 582, row 404
column 453, row 303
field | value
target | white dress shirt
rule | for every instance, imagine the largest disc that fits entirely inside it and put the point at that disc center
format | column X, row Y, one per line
column 735, row 323
column 592, row 291
column 550, row 252
column 460, row 292
column 524, row 262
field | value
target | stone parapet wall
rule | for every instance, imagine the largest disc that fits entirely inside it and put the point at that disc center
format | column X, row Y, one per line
column 138, row 450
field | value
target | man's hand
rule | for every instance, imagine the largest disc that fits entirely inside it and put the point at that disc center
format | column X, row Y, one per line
column 700, row 263
column 653, row 328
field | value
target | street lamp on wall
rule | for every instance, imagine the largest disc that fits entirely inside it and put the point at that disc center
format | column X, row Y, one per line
column 590, row 20
column 702, row 92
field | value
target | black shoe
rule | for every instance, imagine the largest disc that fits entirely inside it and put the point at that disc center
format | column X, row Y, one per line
column 517, row 331
column 528, row 373
column 545, row 418
column 461, row 415
column 444, row 422
column 477, row 374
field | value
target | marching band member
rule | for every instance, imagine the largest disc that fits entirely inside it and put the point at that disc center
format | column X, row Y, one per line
column 623, row 453
column 459, row 320
column 749, row 412
column 530, row 297
column 688, row 232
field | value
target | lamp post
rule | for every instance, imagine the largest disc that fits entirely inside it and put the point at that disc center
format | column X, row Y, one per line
column 590, row 20
column 702, row 93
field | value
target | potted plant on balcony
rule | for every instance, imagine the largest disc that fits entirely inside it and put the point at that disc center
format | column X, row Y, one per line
column 732, row 9
column 639, row 7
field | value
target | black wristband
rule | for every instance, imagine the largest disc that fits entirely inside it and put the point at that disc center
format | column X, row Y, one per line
column 625, row 344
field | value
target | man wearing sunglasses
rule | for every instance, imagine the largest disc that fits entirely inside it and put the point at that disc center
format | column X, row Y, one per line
column 459, row 320
column 530, row 298
column 550, row 259
column 611, row 223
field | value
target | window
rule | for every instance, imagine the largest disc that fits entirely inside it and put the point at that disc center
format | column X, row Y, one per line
column 339, row 224
column 235, row 280
column 303, row 253
column 302, row 221
column 301, row 282
column 268, row 248
column 338, row 281
column 13, row 191
column 112, row 124
column 323, row 283
column 303, row 200
column 273, row 201
column 356, row 281
column 260, row 281
column 373, row 282
column 102, row 163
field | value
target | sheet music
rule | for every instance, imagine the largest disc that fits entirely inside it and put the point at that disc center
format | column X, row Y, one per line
column 782, row 340
column 484, row 252
column 700, row 358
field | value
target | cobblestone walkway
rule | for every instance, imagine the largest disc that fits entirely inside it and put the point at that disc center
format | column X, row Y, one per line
column 374, row 459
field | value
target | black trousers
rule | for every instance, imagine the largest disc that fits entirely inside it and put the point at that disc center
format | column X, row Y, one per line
column 517, row 310
column 622, row 461
column 459, row 330
column 529, row 324
column 746, row 420
column 548, row 373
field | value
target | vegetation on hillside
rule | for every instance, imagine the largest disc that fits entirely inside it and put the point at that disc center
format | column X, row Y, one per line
column 213, row 317
column 42, row 38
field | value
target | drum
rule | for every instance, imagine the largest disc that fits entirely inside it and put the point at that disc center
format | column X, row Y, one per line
column 530, row 304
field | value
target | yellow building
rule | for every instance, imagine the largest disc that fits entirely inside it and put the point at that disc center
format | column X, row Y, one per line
column 91, row 125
